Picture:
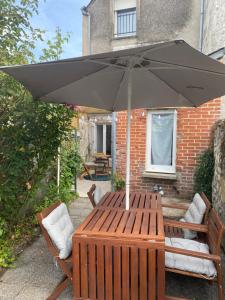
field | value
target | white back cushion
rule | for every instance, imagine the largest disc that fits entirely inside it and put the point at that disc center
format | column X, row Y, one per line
column 194, row 214
column 60, row 228
column 98, row 194
column 189, row 263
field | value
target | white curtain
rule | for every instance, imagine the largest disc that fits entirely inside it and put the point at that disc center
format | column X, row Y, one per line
column 162, row 139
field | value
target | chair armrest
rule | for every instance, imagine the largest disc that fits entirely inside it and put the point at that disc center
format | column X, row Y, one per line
column 175, row 250
column 191, row 226
column 175, row 206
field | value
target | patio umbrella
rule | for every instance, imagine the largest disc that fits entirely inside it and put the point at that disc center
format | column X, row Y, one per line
column 171, row 74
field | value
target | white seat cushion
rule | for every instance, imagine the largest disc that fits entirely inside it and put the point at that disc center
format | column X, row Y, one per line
column 194, row 214
column 98, row 194
column 189, row 263
column 60, row 228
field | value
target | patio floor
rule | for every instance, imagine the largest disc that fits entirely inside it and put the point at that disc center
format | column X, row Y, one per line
column 35, row 275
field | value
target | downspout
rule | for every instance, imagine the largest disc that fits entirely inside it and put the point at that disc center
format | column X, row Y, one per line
column 85, row 13
column 113, row 142
column 201, row 32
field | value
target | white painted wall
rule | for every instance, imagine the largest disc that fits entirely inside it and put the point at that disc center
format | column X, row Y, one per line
column 124, row 4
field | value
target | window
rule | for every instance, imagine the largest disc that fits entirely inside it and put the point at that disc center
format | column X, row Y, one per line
column 161, row 141
column 103, row 138
column 125, row 23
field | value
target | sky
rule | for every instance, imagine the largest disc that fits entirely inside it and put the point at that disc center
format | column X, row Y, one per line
column 65, row 14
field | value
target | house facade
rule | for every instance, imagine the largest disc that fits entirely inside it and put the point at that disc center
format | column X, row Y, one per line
column 165, row 143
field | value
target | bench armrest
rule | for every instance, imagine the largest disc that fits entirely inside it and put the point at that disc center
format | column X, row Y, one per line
column 175, row 250
column 175, row 206
column 191, row 226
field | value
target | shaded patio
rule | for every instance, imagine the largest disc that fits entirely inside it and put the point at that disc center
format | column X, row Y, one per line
column 35, row 274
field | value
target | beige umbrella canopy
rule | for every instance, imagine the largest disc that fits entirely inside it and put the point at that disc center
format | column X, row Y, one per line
column 171, row 74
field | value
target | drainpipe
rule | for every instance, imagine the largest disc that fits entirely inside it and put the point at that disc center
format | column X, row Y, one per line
column 113, row 148
column 202, row 15
column 85, row 13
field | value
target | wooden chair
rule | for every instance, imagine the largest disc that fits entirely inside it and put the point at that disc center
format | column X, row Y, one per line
column 214, row 232
column 90, row 194
column 173, row 228
column 63, row 263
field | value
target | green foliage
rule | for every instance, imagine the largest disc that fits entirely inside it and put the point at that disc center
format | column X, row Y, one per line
column 29, row 141
column 204, row 172
column 54, row 47
column 30, row 132
column 119, row 182
column 17, row 36
column 6, row 254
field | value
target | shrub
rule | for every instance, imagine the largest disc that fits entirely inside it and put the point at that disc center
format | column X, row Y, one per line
column 204, row 172
column 119, row 182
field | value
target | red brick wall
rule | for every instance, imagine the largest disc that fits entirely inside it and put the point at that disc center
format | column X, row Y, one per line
column 193, row 136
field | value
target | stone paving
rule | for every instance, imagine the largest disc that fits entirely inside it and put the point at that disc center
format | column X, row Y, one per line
column 35, row 275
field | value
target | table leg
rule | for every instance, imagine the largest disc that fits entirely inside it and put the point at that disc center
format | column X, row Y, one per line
column 161, row 274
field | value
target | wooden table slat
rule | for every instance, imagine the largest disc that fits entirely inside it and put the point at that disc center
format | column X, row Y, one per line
column 136, row 200
column 100, row 273
column 145, row 224
column 108, row 221
column 95, row 218
column 123, row 221
column 148, row 201
column 142, row 201
column 92, row 271
column 130, row 223
column 137, row 224
column 115, row 222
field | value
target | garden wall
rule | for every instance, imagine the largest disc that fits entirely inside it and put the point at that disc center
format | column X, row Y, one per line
column 218, row 192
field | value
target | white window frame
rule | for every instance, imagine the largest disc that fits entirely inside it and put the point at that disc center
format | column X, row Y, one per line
column 104, row 136
column 124, row 35
column 160, row 168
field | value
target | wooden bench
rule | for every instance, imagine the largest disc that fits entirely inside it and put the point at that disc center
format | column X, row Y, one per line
column 64, row 264
column 174, row 228
column 214, row 232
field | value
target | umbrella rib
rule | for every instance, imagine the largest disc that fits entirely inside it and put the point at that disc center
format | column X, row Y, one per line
column 193, row 104
column 106, row 64
column 117, row 93
column 183, row 66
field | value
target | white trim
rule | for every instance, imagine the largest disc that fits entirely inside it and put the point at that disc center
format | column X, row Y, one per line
column 158, row 168
column 104, row 138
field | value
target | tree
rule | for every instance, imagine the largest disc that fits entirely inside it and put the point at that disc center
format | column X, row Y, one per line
column 30, row 131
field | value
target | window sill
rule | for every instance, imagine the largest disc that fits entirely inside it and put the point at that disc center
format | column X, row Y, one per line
column 124, row 37
column 169, row 176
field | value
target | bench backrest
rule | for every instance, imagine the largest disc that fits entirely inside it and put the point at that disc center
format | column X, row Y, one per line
column 208, row 207
column 90, row 194
column 215, row 232
column 40, row 216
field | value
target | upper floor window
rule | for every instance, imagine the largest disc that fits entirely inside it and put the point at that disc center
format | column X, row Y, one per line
column 125, row 22
column 161, row 141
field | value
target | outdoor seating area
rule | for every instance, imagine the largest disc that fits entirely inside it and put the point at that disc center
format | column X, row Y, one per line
column 118, row 254
column 99, row 168
column 36, row 275
column 112, row 168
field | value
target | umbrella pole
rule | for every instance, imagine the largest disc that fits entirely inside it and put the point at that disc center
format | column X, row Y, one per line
column 129, row 94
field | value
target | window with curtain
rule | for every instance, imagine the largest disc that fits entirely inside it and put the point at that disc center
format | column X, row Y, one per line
column 161, row 141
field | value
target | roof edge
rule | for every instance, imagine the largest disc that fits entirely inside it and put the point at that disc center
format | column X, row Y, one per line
column 89, row 4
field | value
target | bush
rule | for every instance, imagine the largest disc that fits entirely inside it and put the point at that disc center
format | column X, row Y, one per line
column 119, row 182
column 204, row 172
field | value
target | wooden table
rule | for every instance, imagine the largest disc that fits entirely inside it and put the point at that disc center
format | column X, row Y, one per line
column 119, row 254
